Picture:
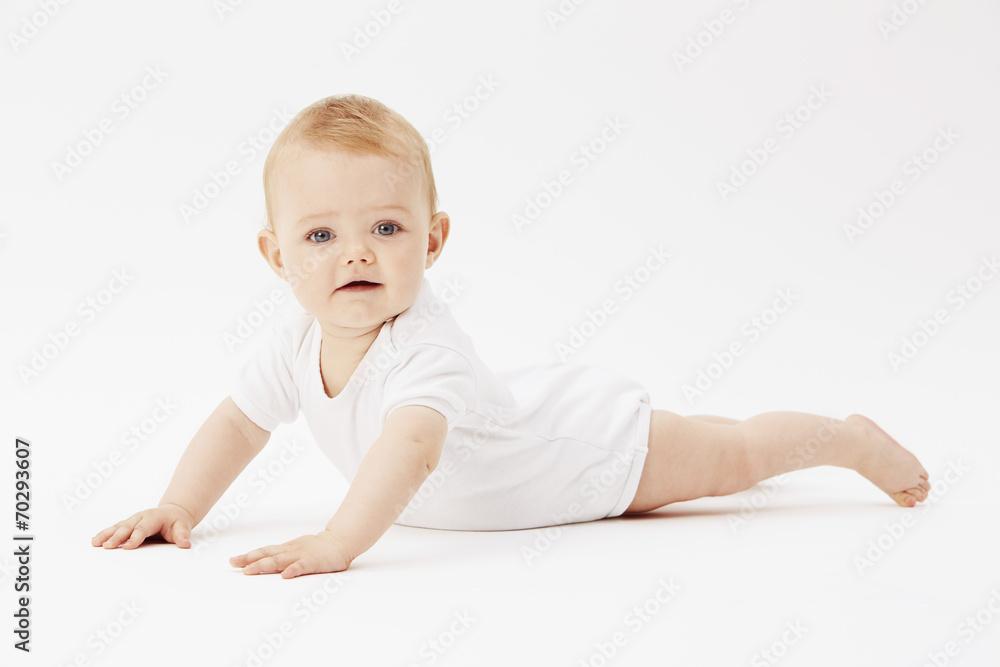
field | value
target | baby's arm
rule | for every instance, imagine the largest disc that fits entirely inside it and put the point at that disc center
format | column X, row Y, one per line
column 399, row 461
column 218, row 453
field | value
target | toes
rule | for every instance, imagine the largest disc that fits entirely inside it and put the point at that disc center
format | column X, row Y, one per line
column 904, row 499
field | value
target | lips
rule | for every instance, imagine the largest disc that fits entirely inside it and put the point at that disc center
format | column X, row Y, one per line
column 358, row 285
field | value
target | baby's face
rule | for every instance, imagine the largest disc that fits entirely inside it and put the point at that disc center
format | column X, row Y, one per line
column 341, row 218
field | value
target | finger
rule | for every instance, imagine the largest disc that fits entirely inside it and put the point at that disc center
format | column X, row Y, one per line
column 119, row 536
column 269, row 564
column 102, row 537
column 296, row 569
column 263, row 552
column 249, row 557
column 146, row 526
column 139, row 533
column 121, row 531
column 180, row 535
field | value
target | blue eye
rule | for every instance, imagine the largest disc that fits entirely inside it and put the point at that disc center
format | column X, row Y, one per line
column 323, row 234
column 392, row 227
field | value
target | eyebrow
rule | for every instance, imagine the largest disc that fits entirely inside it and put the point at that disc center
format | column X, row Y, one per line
column 335, row 214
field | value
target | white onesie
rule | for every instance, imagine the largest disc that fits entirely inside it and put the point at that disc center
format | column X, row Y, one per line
column 542, row 445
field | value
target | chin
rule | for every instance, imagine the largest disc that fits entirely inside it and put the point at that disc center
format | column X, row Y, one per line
column 365, row 322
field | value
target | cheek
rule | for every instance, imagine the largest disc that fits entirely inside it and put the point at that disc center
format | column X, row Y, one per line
column 310, row 263
column 416, row 252
column 307, row 272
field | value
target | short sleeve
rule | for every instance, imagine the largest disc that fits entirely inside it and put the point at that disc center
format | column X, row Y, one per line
column 264, row 389
column 433, row 376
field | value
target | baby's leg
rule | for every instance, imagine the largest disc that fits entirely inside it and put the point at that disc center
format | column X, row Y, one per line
column 693, row 457
column 711, row 419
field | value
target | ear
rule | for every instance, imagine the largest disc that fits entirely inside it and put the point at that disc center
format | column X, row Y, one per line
column 267, row 243
column 439, row 228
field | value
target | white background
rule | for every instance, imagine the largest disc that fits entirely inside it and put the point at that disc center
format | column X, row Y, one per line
column 226, row 74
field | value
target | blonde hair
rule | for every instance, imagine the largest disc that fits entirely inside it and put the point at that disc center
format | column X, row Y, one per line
column 359, row 125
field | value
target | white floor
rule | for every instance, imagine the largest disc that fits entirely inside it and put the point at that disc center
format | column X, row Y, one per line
column 820, row 569
column 816, row 568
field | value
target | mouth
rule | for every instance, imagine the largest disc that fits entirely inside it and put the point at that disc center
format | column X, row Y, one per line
column 358, row 286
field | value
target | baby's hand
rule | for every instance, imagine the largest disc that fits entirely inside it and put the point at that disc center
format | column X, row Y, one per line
column 309, row 554
column 172, row 522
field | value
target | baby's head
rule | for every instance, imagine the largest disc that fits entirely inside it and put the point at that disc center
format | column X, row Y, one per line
column 350, row 196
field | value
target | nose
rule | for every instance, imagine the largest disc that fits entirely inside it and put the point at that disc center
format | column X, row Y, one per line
column 356, row 251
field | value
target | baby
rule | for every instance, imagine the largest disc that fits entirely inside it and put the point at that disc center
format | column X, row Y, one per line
column 397, row 398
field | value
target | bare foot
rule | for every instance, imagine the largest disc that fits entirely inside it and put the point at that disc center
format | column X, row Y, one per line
column 888, row 465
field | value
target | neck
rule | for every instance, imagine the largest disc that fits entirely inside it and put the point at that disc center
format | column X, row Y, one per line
column 341, row 344
column 340, row 355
